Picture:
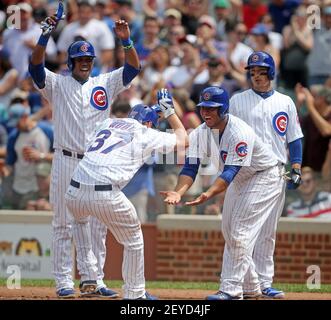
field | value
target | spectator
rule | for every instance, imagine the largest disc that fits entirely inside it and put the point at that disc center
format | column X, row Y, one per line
column 28, row 146
column 224, row 16
column 220, row 75
column 150, row 39
column 316, row 125
column 20, row 42
column 90, row 29
column 276, row 39
column 319, row 62
column 175, row 35
column 157, row 68
column 281, row 12
column 326, row 170
column 253, row 10
column 261, row 42
column 8, row 82
column 125, row 10
column 311, row 203
column 172, row 18
column 298, row 41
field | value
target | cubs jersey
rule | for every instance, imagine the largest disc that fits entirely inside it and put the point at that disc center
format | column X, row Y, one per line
column 274, row 119
column 238, row 145
column 78, row 107
column 119, row 148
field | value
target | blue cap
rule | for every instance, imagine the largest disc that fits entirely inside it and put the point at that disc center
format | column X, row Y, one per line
column 15, row 113
column 260, row 29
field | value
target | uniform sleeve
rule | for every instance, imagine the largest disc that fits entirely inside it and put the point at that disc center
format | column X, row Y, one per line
column 50, row 84
column 160, row 141
column 240, row 149
column 294, row 131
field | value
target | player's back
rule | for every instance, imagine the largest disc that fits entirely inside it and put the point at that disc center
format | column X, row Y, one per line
column 119, row 148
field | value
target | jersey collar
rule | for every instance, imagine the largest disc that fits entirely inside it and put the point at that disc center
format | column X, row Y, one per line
column 265, row 95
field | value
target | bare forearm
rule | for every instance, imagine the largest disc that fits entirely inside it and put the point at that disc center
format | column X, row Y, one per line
column 131, row 57
column 323, row 126
column 180, row 132
column 38, row 55
column 217, row 187
column 184, row 183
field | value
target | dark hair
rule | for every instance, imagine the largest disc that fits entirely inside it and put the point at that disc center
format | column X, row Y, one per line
column 120, row 106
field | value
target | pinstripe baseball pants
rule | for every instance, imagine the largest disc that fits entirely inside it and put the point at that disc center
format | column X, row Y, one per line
column 119, row 215
column 247, row 206
column 62, row 170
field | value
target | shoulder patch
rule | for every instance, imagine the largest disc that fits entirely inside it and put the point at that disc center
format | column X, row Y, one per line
column 242, row 149
column 99, row 99
column 280, row 123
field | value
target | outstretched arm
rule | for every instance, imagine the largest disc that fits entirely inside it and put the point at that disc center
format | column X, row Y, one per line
column 132, row 64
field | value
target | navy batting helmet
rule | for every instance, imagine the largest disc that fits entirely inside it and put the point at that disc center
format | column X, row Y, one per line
column 262, row 59
column 215, row 97
column 79, row 49
column 143, row 113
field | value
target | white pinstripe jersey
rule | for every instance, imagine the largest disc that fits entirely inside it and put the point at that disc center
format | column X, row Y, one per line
column 274, row 119
column 239, row 146
column 119, row 148
column 77, row 108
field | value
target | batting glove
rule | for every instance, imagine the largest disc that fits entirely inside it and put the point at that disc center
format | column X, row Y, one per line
column 49, row 24
column 164, row 99
column 295, row 179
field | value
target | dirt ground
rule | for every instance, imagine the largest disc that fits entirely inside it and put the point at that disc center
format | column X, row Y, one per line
column 45, row 293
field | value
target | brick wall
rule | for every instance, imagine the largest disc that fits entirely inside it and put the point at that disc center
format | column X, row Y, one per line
column 190, row 248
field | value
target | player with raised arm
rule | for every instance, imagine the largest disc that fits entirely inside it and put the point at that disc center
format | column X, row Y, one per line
column 78, row 103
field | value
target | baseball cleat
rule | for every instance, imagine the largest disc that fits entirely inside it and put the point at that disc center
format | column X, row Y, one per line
column 147, row 296
column 220, row 295
column 66, row 293
column 273, row 293
column 252, row 294
column 105, row 293
column 87, row 288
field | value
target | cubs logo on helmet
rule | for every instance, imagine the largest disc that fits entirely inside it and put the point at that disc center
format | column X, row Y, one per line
column 99, row 98
column 255, row 58
column 84, row 47
column 280, row 123
column 224, row 154
column 242, row 149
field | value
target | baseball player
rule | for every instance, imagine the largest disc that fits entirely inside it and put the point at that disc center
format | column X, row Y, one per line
column 119, row 148
column 79, row 102
column 245, row 170
column 274, row 118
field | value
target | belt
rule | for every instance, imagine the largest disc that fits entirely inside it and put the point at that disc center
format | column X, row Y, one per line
column 71, row 154
column 98, row 187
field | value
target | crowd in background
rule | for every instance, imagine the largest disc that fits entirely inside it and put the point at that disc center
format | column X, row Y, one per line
column 186, row 46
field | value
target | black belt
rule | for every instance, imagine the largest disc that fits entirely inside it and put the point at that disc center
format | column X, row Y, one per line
column 70, row 154
column 98, row 187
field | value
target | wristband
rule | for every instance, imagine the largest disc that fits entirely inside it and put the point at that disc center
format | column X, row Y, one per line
column 43, row 40
column 127, row 44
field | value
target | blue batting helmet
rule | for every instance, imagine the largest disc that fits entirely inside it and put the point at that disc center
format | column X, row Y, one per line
column 215, row 97
column 79, row 49
column 143, row 113
column 262, row 59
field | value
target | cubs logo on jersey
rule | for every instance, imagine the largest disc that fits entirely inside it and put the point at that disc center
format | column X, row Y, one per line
column 280, row 122
column 224, row 154
column 99, row 98
column 242, row 149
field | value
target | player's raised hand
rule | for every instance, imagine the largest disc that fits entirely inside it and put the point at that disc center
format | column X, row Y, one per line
column 122, row 29
column 201, row 199
column 165, row 102
column 171, row 197
column 50, row 23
